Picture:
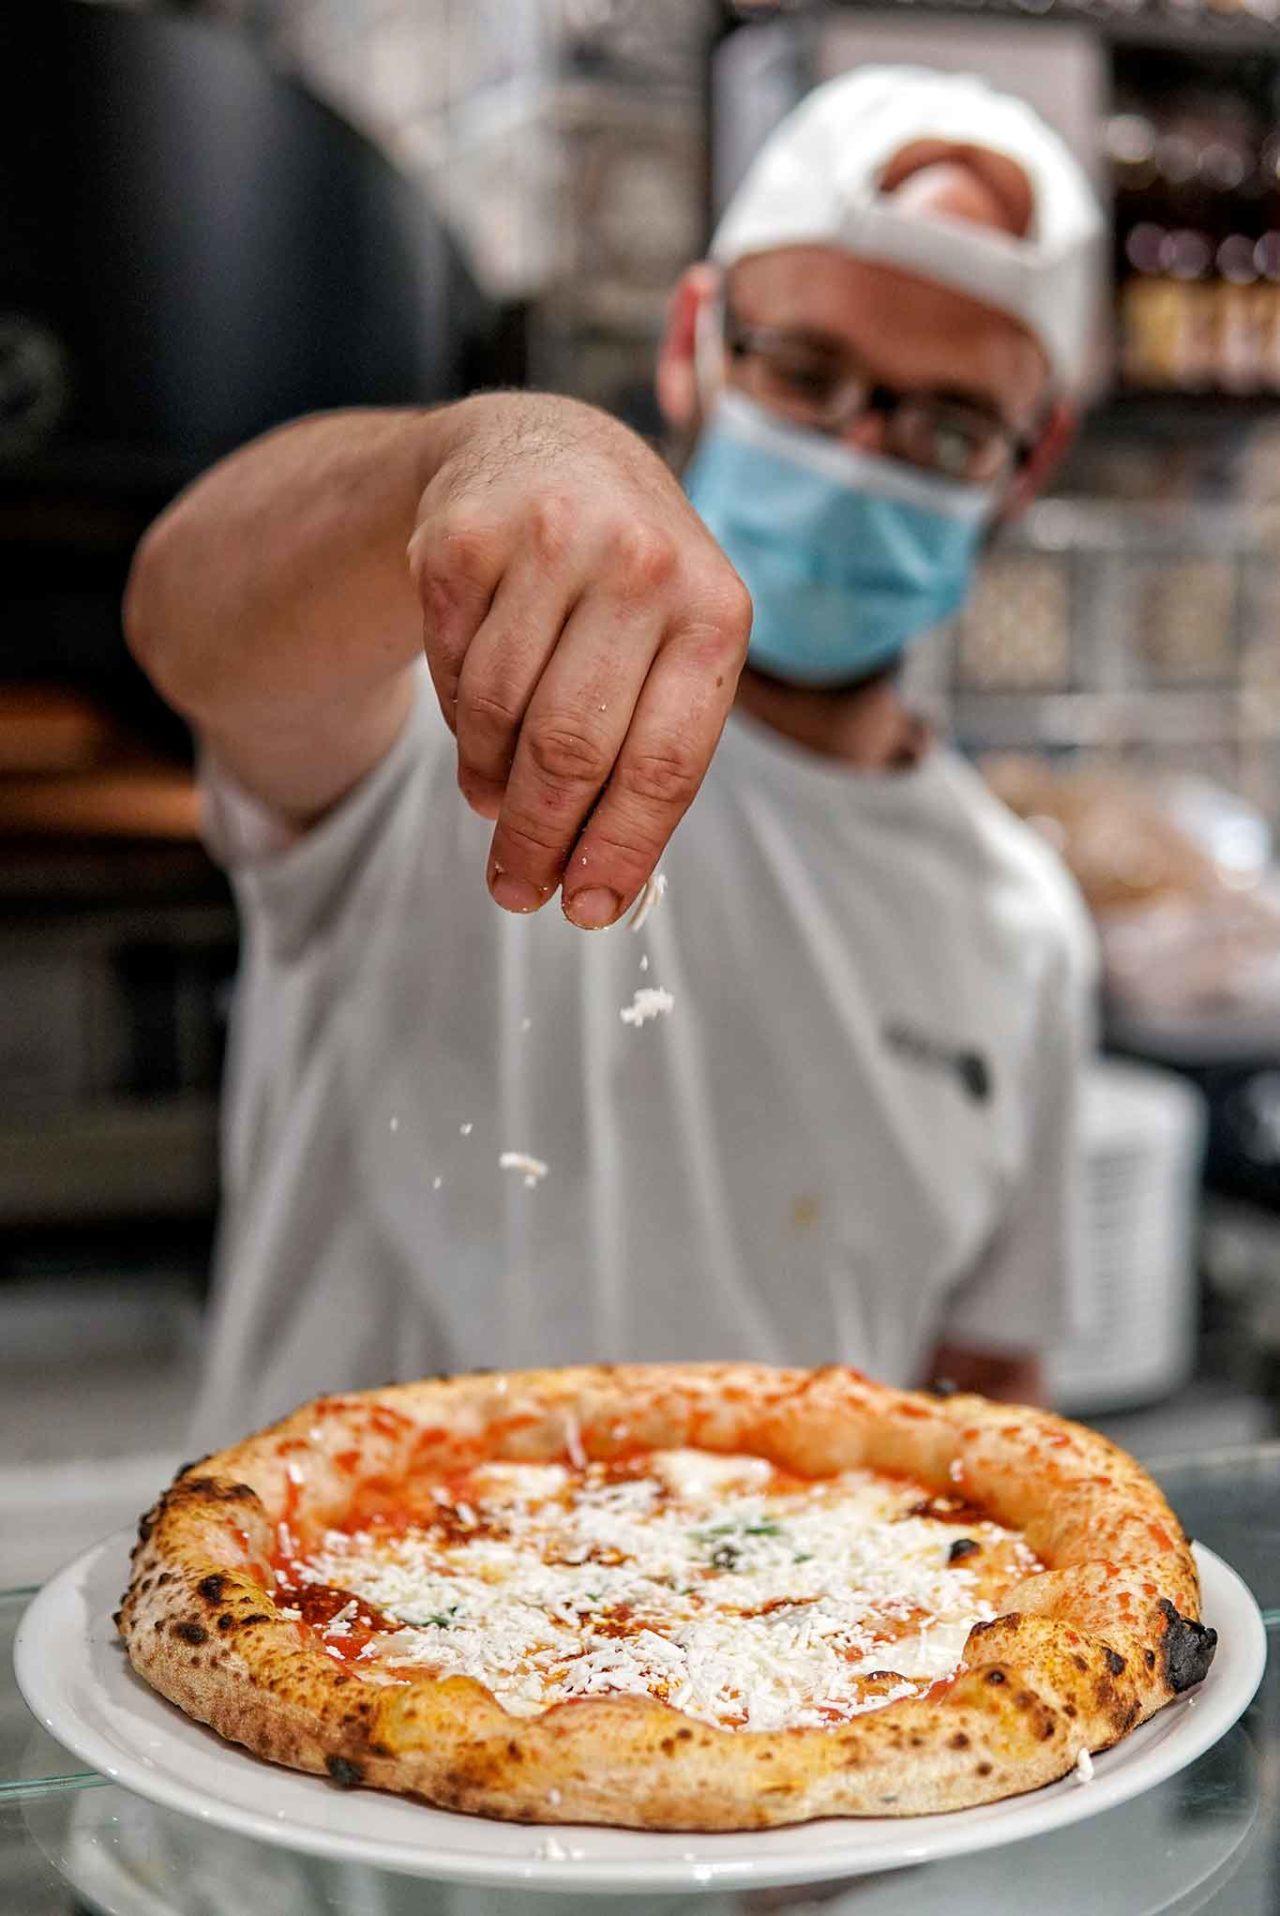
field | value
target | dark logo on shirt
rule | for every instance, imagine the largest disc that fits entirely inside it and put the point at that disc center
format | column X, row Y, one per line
column 970, row 1069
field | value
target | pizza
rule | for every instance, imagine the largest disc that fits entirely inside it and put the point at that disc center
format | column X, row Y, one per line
column 669, row 1597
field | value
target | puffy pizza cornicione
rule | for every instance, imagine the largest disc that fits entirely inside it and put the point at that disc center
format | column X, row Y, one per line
column 697, row 1597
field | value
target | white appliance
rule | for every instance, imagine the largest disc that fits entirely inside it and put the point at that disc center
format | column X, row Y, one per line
column 1143, row 1140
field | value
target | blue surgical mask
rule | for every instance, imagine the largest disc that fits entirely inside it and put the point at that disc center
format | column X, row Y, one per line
column 847, row 556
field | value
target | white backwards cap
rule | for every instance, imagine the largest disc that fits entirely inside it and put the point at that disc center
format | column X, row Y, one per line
column 817, row 178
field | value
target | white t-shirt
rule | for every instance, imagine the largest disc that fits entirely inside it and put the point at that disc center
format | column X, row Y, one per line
column 854, row 1133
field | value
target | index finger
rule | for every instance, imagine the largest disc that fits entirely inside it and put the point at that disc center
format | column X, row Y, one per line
column 674, row 731
column 456, row 557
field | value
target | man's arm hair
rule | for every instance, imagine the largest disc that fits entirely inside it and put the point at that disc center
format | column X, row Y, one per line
column 273, row 606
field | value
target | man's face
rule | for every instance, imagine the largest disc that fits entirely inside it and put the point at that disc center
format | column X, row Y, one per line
column 809, row 329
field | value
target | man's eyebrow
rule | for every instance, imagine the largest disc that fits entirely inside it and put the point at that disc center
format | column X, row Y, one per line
column 832, row 345
column 810, row 336
column 974, row 401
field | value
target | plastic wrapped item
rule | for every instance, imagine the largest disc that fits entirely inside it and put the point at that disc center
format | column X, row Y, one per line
column 1118, row 839
column 1179, row 878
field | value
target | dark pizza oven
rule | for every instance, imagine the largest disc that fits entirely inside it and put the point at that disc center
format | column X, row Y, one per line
column 192, row 248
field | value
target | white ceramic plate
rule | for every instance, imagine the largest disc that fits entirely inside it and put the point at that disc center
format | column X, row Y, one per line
column 74, row 1675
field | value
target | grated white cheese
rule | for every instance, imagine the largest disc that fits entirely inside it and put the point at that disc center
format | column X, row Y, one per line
column 698, row 1580
column 1084, row 1767
column 651, row 1001
column 534, row 1169
column 655, row 888
column 339, row 1625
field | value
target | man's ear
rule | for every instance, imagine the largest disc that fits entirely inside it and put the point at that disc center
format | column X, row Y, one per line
column 1047, row 455
column 677, row 377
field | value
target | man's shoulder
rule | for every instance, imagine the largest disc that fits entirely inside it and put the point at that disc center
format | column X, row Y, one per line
column 1019, row 875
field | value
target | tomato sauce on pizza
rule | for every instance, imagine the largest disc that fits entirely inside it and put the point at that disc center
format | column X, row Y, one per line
column 732, row 1590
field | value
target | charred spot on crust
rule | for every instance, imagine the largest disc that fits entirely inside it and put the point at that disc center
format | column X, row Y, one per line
column 195, row 1463
column 211, row 1490
column 146, row 1524
column 995, row 1676
column 1188, row 1649
column 960, row 1741
column 117, row 1617
column 346, row 1774
column 962, row 1547
column 226, row 1621
column 1151, row 1659
column 1114, row 1661
column 191, row 1632
column 944, row 1387
column 985, row 1769
column 211, row 1588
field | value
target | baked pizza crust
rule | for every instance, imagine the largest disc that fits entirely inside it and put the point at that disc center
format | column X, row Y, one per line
column 1087, row 1649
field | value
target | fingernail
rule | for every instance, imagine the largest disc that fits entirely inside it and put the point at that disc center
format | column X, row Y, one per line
column 514, row 894
column 593, row 909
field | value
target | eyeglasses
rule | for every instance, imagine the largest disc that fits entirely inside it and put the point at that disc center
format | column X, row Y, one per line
column 827, row 391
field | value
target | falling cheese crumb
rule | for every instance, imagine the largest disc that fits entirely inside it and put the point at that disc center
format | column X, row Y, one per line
column 651, row 1001
column 465, row 1130
column 550, row 1850
column 573, row 1442
column 395, row 1124
column 436, row 1183
column 1084, row 1767
column 654, row 888
column 534, row 1169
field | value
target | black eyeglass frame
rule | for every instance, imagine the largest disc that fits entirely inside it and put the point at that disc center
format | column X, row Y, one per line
column 876, row 399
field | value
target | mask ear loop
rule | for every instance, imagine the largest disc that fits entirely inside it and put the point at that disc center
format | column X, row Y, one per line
column 708, row 351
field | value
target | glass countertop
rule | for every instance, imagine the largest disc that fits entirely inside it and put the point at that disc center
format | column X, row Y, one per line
column 72, row 1844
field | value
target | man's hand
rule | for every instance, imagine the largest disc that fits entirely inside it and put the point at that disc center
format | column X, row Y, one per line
column 1009, row 1377
column 585, row 635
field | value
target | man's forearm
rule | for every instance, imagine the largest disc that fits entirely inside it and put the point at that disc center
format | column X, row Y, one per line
column 583, row 630
column 272, row 603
